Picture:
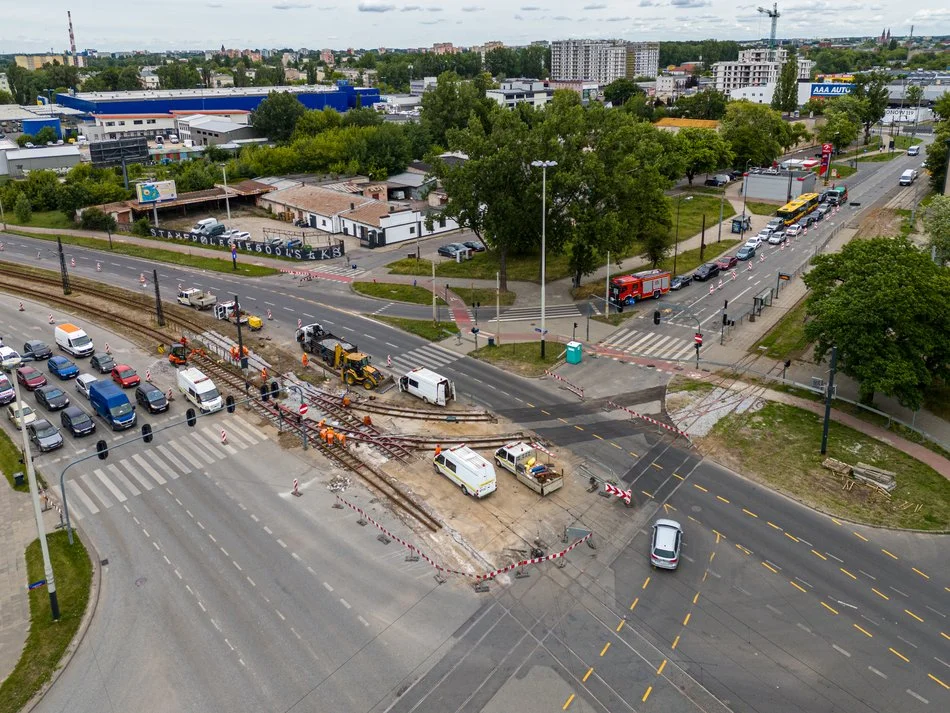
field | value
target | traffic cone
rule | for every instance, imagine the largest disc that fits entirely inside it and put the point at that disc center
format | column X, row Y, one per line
column 108, row 348
column 51, row 320
column 20, row 309
column 389, row 361
column 148, row 375
column 269, row 315
column 72, row 262
column 98, row 266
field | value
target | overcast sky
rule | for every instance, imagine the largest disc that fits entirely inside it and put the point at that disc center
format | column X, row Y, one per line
column 207, row 24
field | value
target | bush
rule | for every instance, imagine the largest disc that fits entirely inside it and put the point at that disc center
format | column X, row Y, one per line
column 22, row 209
column 141, row 227
column 95, row 219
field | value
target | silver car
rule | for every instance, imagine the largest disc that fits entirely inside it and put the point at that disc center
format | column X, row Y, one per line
column 44, row 435
column 665, row 544
column 83, row 382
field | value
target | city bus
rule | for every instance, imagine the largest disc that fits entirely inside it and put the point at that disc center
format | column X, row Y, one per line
column 794, row 210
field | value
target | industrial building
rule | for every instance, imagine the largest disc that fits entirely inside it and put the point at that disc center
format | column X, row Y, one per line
column 204, row 130
column 341, row 97
column 17, row 162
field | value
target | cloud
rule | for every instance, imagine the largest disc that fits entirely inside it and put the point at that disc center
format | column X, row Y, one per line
column 433, row 8
column 213, row 4
column 432, row 22
column 648, row 3
column 561, row 18
column 472, row 8
column 291, row 6
column 596, row 6
column 531, row 8
column 689, row 3
column 375, row 7
column 412, row 8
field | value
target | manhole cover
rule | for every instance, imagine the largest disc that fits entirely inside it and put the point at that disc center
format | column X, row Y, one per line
column 140, row 581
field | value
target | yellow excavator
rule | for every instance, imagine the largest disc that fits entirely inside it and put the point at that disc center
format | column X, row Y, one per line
column 355, row 368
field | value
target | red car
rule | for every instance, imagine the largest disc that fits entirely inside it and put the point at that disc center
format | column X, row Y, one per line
column 30, row 378
column 727, row 261
column 125, row 376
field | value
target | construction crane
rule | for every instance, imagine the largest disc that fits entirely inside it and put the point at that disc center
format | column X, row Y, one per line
column 774, row 14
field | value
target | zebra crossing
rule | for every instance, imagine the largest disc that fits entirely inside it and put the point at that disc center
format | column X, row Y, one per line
column 661, row 346
column 343, row 269
column 533, row 314
column 431, row 355
column 114, row 483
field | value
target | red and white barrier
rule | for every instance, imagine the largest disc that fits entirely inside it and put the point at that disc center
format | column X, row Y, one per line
column 749, row 267
column 389, row 361
column 98, row 266
column 72, row 262
column 577, row 390
column 669, row 428
column 20, row 308
column 299, row 323
column 108, row 348
column 51, row 320
column 148, row 375
column 2, row 246
column 719, row 286
column 444, row 570
column 625, row 495
column 712, row 289
column 734, row 275
column 296, row 490
column 169, row 395
column 224, row 437
column 269, row 315
column 762, row 257
column 142, row 278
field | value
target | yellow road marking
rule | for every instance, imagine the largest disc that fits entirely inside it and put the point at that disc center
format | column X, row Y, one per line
column 910, row 613
column 620, row 625
column 893, row 556
column 545, row 412
column 925, row 576
column 647, row 694
column 718, row 534
column 883, row 596
column 604, row 650
column 659, row 671
column 531, row 404
column 646, row 582
column 773, row 525
column 600, row 438
column 676, row 641
column 719, row 497
column 859, row 535
column 770, row 567
column 686, row 620
column 587, row 675
column 635, row 602
column 932, row 677
column 649, row 495
column 847, row 572
column 899, row 655
column 696, row 598
column 712, row 556
column 705, row 574
column 945, row 635
column 568, row 702
column 579, row 428
column 747, row 551
column 836, row 522
column 690, row 517
column 829, row 608
column 667, row 507
column 818, row 554
column 749, row 513
column 791, row 537
column 562, row 420
column 658, row 467
column 616, row 446
column 700, row 487
column 633, row 454
column 677, row 475
column 798, row 587
column 863, row 631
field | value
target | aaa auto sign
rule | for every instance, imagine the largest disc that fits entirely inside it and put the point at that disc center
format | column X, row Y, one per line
column 826, row 151
column 830, row 91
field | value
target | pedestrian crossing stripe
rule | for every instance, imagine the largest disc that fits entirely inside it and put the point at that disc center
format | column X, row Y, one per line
column 102, row 488
column 650, row 344
column 527, row 314
column 431, row 355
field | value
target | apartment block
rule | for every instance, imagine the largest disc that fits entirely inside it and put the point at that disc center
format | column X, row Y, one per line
column 643, row 59
column 754, row 68
column 603, row 61
column 33, row 62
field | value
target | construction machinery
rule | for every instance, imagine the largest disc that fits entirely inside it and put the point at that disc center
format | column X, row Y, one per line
column 227, row 311
column 337, row 354
column 181, row 352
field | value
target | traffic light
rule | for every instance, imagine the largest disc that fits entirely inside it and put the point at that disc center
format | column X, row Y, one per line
column 229, row 403
column 788, row 363
column 147, row 433
column 725, row 318
column 656, row 316
column 190, row 417
column 102, row 448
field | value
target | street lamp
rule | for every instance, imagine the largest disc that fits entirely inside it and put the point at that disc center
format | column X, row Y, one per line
column 227, row 203
column 745, row 195
column 676, row 240
column 544, row 166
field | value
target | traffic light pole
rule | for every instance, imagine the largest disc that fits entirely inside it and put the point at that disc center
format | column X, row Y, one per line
column 699, row 327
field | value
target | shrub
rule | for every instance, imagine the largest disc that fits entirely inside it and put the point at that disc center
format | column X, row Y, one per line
column 95, row 219
column 141, row 227
column 22, row 209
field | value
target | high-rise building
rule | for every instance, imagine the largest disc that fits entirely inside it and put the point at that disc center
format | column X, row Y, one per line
column 643, row 59
column 753, row 69
column 603, row 61
column 36, row 61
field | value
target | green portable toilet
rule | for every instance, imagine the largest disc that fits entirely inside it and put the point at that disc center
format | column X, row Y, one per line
column 573, row 352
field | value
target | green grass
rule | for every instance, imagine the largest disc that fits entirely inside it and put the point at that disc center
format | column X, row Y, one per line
column 420, row 327
column 878, row 156
column 396, row 292
column 148, row 252
column 47, row 640
column 844, row 170
column 760, row 208
column 615, row 319
column 43, row 219
column 779, row 445
column 786, row 340
column 691, row 214
column 523, row 358
column 682, row 383
column 10, row 454
column 485, row 296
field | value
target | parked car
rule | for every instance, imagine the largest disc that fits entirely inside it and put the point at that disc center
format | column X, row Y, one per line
column 736, row 175
column 63, row 368
column 777, row 238
column 476, row 246
column 30, row 378
column 665, row 544
column 809, row 220
column 151, row 397
column 77, row 421
column 102, row 362
column 754, row 242
column 125, row 376
column 745, row 253
column 7, row 394
column 719, row 180
column 20, row 414
column 44, row 435
column 9, row 358
column 452, row 249
column 52, row 398
column 37, row 349
column 775, row 224
column 82, row 383
column 822, row 211
column 680, row 281
column 274, row 242
column 726, row 262
column 706, row 271
column 294, row 244
column 794, row 230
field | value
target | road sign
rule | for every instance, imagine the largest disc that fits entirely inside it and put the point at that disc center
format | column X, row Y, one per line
column 698, row 338
column 784, row 276
column 37, row 585
column 303, row 409
column 540, row 331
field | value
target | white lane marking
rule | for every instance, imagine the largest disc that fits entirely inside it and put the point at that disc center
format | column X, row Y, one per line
column 803, row 628
column 875, row 671
column 281, row 543
column 840, row 650
column 254, row 517
column 282, row 617
column 237, row 565
column 363, row 621
column 167, row 561
column 898, row 591
column 345, row 603
column 327, row 587
column 268, row 530
column 251, row 581
column 918, row 696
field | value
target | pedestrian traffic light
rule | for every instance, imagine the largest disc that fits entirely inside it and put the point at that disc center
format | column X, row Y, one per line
column 190, row 417
column 102, row 448
column 656, row 316
column 725, row 318
column 229, row 403
column 147, row 433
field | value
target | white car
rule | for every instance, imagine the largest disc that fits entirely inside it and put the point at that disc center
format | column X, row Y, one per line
column 777, row 238
column 9, row 358
column 754, row 242
column 665, row 544
column 794, row 230
column 83, row 381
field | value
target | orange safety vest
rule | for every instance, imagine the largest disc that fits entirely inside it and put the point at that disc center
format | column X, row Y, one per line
column 264, row 373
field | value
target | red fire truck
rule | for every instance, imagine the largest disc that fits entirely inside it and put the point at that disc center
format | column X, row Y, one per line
column 628, row 289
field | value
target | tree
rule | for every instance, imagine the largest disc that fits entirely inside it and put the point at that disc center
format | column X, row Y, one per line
column 621, row 90
column 785, row 98
column 754, row 132
column 22, row 209
column 882, row 303
column 6, row 97
column 362, row 117
column 707, row 104
column 316, row 122
column 914, row 94
column 842, row 125
column 450, row 105
column 871, row 87
column 95, row 219
column 703, row 150
column 937, row 225
column 277, row 115
column 44, row 136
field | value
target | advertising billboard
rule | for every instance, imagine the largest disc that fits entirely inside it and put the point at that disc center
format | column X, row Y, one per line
column 830, row 90
column 826, row 151
column 156, row 191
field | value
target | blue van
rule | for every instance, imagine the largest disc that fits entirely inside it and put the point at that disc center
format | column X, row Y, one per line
column 111, row 403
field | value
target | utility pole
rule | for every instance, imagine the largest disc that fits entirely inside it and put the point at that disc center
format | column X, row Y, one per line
column 607, row 290
column 828, row 395
column 722, row 198
column 498, row 307
column 242, row 360
column 435, row 315
column 62, row 267
column 159, row 313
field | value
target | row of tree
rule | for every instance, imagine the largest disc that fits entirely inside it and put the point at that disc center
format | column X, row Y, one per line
column 82, row 186
column 936, row 163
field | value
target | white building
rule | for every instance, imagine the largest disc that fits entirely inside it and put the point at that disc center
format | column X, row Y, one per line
column 148, row 79
column 222, row 79
column 602, row 61
column 203, row 130
column 754, row 69
column 418, row 87
column 671, row 85
column 4, row 82
column 120, row 126
column 643, row 59
column 521, row 91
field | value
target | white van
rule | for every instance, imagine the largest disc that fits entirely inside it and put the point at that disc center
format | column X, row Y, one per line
column 201, row 225
column 467, row 469
column 432, row 388
column 908, row 177
column 199, row 389
column 72, row 340
column 913, row 151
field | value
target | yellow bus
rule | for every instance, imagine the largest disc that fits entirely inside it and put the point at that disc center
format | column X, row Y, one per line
column 794, row 210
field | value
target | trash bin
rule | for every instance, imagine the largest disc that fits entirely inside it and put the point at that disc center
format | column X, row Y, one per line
column 574, row 352
column 18, row 479
column 491, row 341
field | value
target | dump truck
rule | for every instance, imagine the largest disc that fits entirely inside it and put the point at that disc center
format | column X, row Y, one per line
column 310, row 332
column 525, row 460
column 342, row 356
column 226, row 311
column 199, row 299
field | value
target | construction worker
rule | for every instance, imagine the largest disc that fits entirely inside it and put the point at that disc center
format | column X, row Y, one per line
column 263, row 374
column 438, row 449
column 305, row 360
column 342, row 439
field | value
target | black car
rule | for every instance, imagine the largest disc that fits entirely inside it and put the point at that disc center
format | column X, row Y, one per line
column 716, row 181
column 680, row 281
column 452, row 249
column 706, row 271
column 77, row 421
column 735, row 175
column 475, row 246
column 37, row 349
column 52, row 398
column 44, row 435
column 102, row 362
column 151, row 397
